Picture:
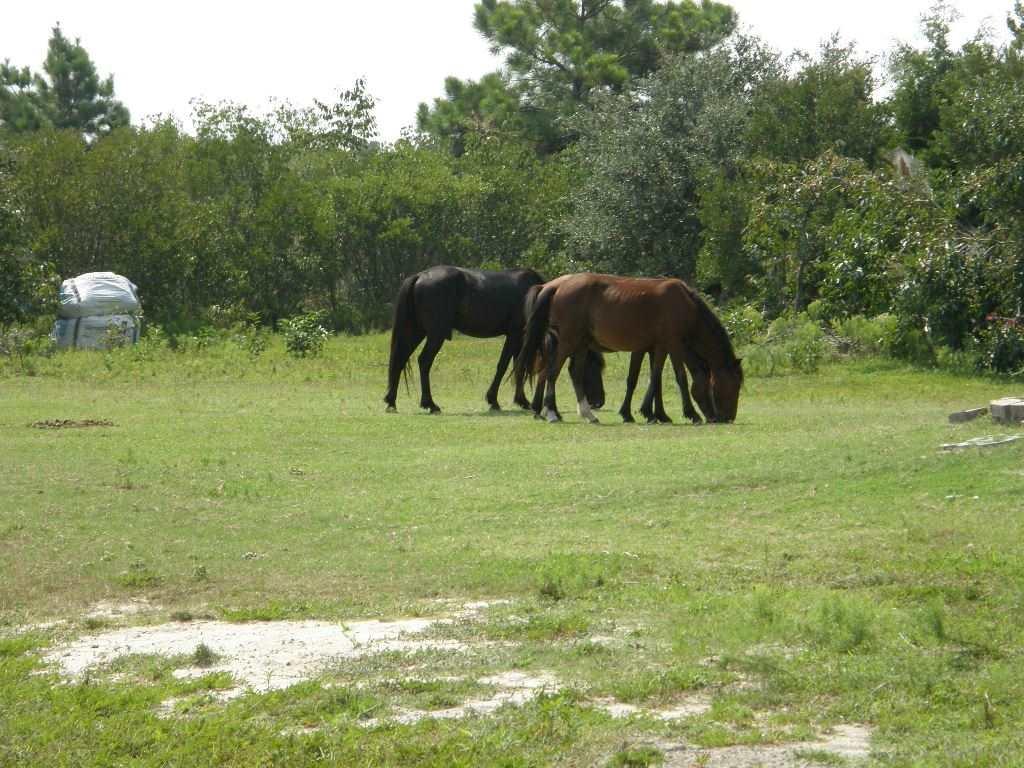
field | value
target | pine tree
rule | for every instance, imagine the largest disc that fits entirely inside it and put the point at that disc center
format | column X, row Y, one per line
column 69, row 93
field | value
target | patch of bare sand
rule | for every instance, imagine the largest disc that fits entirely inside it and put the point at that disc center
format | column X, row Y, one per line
column 514, row 688
column 261, row 656
column 109, row 609
column 691, row 706
column 851, row 742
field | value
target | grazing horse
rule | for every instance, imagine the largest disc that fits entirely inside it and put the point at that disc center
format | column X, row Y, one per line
column 435, row 302
column 660, row 317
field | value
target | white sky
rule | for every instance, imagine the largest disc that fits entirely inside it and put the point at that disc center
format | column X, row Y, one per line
column 164, row 54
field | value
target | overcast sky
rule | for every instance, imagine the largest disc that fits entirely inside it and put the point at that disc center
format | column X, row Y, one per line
column 164, row 54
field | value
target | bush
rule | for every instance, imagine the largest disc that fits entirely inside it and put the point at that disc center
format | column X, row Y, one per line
column 791, row 343
column 744, row 324
column 1001, row 347
column 874, row 335
column 304, row 335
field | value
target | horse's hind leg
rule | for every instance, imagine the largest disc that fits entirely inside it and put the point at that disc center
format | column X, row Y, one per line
column 538, row 393
column 555, row 357
column 508, row 349
column 576, row 372
column 400, row 354
column 426, row 359
column 680, row 370
column 652, row 407
column 636, row 359
column 519, row 398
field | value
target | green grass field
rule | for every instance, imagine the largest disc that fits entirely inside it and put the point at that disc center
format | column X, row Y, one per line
column 818, row 563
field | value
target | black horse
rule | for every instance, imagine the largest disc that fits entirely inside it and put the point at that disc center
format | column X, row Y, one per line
column 437, row 301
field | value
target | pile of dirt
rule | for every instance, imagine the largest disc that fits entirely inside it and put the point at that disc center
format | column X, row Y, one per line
column 72, row 423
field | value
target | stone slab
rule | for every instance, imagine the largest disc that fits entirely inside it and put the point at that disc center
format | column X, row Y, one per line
column 989, row 441
column 969, row 415
column 1007, row 410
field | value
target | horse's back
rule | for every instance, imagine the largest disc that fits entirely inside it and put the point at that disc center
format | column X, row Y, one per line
column 620, row 313
column 476, row 302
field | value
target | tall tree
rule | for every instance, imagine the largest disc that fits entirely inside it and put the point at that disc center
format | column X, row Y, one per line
column 827, row 104
column 918, row 77
column 559, row 52
column 646, row 155
column 70, row 94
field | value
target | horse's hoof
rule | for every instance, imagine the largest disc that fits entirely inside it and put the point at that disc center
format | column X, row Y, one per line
column 594, row 420
column 391, row 409
column 664, row 419
column 494, row 408
column 552, row 417
column 432, row 409
column 651, row 421
column 627, row 418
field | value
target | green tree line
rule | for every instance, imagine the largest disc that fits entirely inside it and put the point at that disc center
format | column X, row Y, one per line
column 635, row 137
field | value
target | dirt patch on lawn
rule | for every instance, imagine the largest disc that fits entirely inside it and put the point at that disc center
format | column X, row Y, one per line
column 72, row 423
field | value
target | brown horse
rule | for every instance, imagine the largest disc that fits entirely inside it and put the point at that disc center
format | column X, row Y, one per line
column 655, row 316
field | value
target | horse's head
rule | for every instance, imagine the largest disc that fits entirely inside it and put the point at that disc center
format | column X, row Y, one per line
column 593, row 384
column 726, row 383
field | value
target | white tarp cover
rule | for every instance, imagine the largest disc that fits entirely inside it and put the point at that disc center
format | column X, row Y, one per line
column 98, row 293
column 95, row 331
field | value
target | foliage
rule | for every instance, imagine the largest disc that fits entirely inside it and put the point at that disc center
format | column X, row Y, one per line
column 1001, row 346
column 871, row 335
column 645, row 154
column 304, row 335
column 489, row 108
column 826, row 104
column 558, row 55
column 790, row 343
column 918, row 79
column 27, row 283
column 767, row 182
column 70, row 95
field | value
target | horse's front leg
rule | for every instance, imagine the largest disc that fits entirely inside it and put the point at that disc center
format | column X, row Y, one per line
column 680, row 370
column 507, row 350
column 701, row 388
column 636, row 359
column 652, row 407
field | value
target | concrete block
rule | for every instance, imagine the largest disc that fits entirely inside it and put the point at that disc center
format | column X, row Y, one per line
column 969, row 415
column 1007, row 410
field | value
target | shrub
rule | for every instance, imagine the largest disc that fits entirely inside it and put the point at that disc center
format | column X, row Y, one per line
column 744, row 324
column 304, row 335
column 875, row 335
column 1001, row 347
column 800, row 342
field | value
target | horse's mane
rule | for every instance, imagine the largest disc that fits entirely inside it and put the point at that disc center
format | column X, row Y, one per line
column 710, row 319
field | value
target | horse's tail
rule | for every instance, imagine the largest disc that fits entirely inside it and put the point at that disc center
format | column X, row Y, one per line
column 401, row 337
column 538, row 308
